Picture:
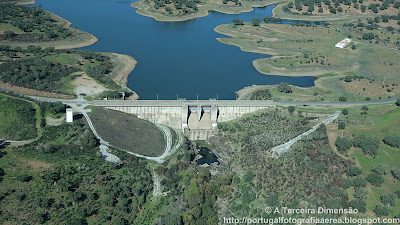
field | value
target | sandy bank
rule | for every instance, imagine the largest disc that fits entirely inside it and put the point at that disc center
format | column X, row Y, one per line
column 123, row 66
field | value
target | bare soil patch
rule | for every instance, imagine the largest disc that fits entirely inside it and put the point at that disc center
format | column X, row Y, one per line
column 85, row 85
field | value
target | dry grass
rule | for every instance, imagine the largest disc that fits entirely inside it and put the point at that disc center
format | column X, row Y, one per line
column 373, row 89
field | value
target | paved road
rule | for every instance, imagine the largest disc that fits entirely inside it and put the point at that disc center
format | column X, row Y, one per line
column 179, row 103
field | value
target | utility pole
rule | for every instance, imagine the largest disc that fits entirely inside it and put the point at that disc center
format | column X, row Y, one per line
column 177, row 98
column 217, row 96
column 197, row 97
column 157, row 97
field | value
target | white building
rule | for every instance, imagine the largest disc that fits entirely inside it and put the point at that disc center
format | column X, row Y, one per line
column 343, row 43
column 70, row 115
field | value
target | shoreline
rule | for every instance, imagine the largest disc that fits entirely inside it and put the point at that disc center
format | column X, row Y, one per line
column 203, row 10
column 124, row 64
column 273, row 55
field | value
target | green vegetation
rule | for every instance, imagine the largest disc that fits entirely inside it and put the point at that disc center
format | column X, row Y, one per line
column 50, row 70
column 122, row 131
column 256, row 134
column 261, row 95
column 34, row 22
column 65, row 182
column 17, row 119
column 312, row 7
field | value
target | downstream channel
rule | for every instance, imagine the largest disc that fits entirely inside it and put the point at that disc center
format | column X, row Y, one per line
column 181, row 59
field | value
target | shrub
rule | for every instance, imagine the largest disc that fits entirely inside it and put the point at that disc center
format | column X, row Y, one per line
column 375, row 179
column 291, row 109
column 398, row 102
column 364, row 107
column 342, row 125
column 345, row 111
column 343, row 99
column 219, row 126
column 24, row 177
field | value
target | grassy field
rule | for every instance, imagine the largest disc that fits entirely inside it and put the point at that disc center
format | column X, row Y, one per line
column 17, row 119
column 128, row 132
column 381, row 120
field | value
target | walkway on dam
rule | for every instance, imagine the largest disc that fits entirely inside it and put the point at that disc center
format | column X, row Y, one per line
column 283, row 148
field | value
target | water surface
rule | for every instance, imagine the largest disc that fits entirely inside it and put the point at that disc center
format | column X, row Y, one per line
column 181, row 59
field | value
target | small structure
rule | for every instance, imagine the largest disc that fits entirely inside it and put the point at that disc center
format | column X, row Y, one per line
column 343, row 43
column 70, row 115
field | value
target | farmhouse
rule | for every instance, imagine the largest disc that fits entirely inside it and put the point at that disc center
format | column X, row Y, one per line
column 343, row 43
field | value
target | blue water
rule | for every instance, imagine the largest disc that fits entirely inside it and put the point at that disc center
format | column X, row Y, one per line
column 175, row 58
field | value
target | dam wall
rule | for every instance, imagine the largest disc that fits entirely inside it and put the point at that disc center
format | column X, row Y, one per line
column 197, row 121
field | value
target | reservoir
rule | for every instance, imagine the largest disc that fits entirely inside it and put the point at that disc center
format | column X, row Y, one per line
column 175, row 59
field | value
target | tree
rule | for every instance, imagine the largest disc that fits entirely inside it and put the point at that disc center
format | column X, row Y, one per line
column 341, row 125
column 389, row 199
column 364, row 107
column 353, row 47
column 392, row 141
column 284, row 88
column 380, row 169
column 360, row 193
column 237, row 22
column 381, row 211
column 369, row 145
column 396, row 173
column 353, row 171
column 345, row 111
column 291, row 109
column 343, row 144
column 398, row 102
column 256, row 21
column 358, row 204
column 343, row 99
column 375, row 179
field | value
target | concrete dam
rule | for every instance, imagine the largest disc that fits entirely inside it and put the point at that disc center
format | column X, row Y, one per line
column 197, row 119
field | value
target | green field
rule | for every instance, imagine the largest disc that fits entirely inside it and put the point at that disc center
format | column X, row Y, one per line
column 380, row 120
column 128, row 132
column 17, row 119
